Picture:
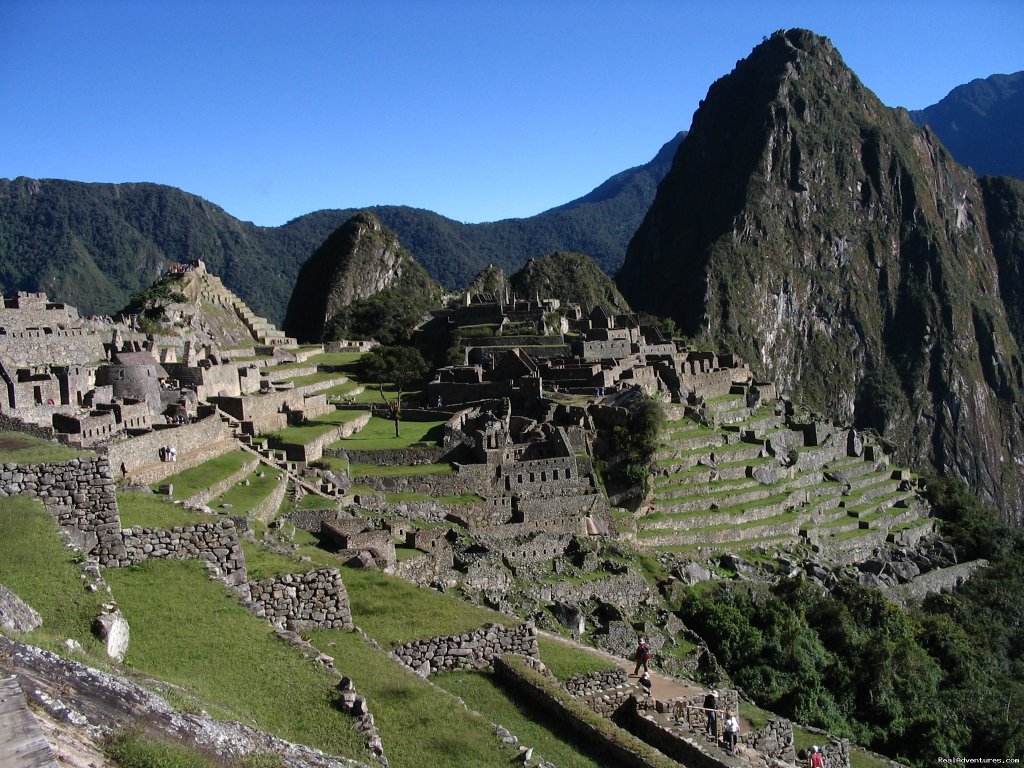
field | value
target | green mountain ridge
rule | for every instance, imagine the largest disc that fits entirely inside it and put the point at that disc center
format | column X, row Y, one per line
column 982, row 124
column 94, row 244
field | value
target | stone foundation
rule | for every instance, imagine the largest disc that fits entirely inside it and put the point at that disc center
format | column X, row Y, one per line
column 477, row 649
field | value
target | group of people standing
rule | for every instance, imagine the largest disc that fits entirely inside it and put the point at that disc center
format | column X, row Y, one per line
column 731, row 724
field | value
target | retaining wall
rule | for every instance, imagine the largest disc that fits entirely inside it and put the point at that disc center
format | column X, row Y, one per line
column 616, row 746
column 216, row 543
column 478, row 648
column 136, row 452
column 78, row 492
column 316, row 599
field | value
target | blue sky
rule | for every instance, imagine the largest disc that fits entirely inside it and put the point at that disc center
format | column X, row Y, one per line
column 477, row 110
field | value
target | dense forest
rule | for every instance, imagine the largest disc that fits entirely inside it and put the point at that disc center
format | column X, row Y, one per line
column 944, row 678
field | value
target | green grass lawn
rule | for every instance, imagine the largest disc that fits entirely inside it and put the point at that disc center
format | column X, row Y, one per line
column 312, row 378
column 191, row 481
column 393, row 611
column 243, row 498
column 313, row 428
column 419, row 724
column 375, row 470
column 333, row 359
column 483, row 692
column 262, row 563
column 190, row 631
column 37, row 567
column 21, row 448
column 154, row 511
column 379, row 434
column 565, row 660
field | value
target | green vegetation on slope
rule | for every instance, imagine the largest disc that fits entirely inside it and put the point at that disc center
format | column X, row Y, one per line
column 917, row 685
column 39, row 569
column 191, row 631
column 570, row 277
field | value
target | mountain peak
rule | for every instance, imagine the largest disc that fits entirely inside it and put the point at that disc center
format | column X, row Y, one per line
column 837, row 246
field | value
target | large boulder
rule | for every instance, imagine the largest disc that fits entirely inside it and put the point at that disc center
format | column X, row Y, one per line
column 112, row 629
column 16, row 615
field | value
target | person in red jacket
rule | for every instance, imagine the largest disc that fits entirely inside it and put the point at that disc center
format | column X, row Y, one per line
column 643, row 655
column 817, row 759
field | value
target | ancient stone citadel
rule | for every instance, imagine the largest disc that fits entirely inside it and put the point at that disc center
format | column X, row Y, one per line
column 520, row 520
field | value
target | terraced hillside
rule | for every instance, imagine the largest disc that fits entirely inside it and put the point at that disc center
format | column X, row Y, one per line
column 729, row 476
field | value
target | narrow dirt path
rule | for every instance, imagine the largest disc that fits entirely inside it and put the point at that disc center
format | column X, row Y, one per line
column 663, row 687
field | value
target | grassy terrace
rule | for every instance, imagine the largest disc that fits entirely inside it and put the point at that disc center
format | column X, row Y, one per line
column 784, row 517
column 152, row 511
column 312, row 378
column 400, row 496
column 419, row 724
column 379, row 434
column 21, row 448
column 191, row 481
column 312, row 429
column 724, row 494
column 236, row 666
column 393, row 611
column 483, row 693
column 374, row 470
column 36, row 566
column 242, row 497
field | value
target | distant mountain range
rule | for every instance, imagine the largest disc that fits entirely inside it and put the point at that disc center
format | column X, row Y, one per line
column 982, row 124
column 92, row 245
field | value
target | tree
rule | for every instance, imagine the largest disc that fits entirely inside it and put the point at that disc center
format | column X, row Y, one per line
column 399, row 366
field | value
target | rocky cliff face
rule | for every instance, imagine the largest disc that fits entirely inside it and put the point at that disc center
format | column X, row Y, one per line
column 840, row 248
column 360, row 260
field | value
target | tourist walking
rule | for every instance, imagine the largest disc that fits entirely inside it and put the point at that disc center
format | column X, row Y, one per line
column 817, row 759
column 711, row 710
column 643, row 655
column 732, row 730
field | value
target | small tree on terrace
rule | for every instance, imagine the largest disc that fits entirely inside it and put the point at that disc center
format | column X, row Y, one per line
column 400, row 366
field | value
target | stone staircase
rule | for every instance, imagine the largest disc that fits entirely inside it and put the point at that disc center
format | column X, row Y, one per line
column 262, row 330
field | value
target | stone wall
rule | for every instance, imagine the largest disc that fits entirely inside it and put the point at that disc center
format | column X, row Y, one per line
column 627, row 591
column 665, row 740
column 617, row 747
column 267, row 509
column 136, row 452
column 393, row 458
column 316, row 599
column 216, row 543
column 22, row 349
column 10, row 423
column 776, row 741
column 939, row 580
column 476, row 649
column 78, row 492
column 604, row 691
column 311, row 519
column 595, row 682
column 435, row 484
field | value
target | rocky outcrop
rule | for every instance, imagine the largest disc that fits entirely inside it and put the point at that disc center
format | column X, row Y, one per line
column 359, row 260
column 15, row 614
column 100, row 704
column 840, row 249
